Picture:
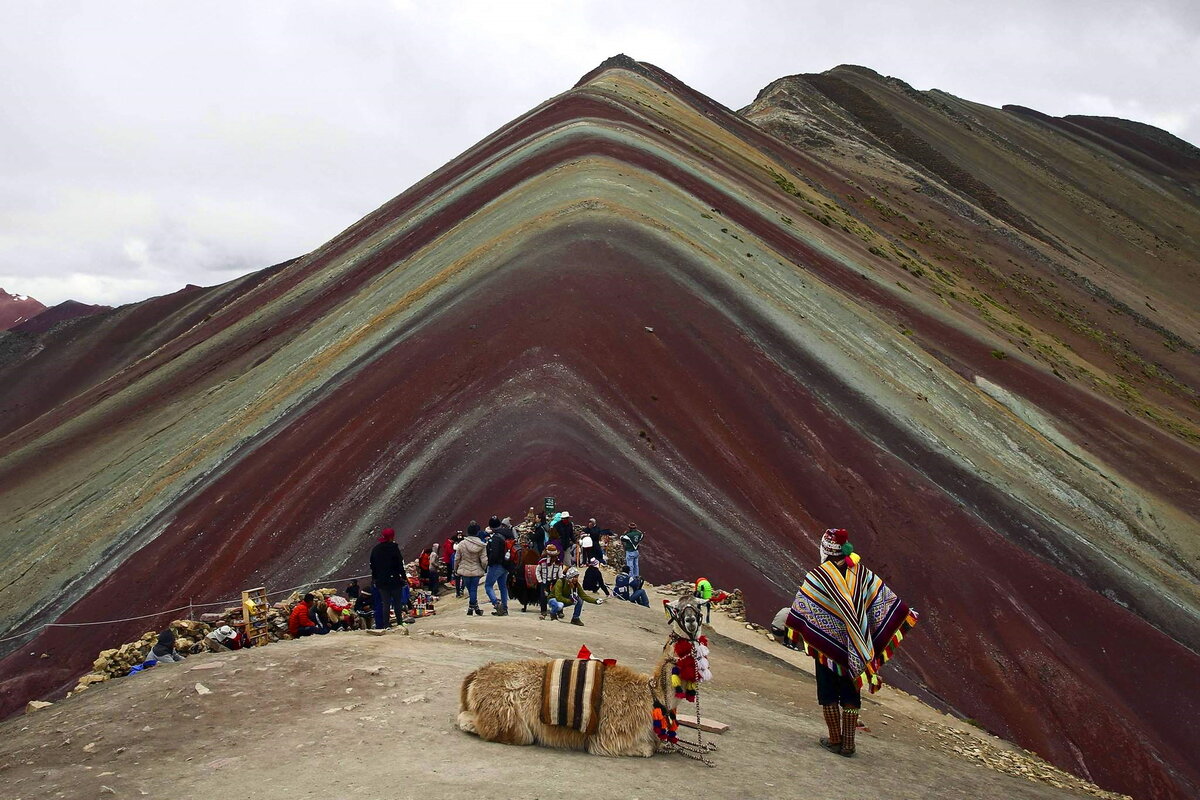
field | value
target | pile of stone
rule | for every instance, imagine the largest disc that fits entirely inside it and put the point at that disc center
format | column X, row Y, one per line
column 614, row 551
column 1020, row 763
column 118, row 661
column 189, row 638
column 733, row 606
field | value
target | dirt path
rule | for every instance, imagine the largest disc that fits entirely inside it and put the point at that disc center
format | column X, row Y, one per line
column 352, row 715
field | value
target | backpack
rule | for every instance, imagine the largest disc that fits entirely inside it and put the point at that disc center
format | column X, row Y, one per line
column 497, row 550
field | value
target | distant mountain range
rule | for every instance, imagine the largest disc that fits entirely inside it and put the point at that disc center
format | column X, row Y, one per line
column 17, row 308
column 25, row 314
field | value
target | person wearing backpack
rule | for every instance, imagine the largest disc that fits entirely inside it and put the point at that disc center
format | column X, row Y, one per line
column 498, row 558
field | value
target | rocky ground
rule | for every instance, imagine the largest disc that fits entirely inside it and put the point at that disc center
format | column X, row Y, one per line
column 353, row 715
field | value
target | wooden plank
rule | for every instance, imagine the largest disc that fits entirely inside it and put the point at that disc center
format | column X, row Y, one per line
column 704, row 723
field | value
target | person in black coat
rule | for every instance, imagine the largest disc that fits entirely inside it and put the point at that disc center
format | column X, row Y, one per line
column 389, row 578
column 566, row 537
column 593, row 578
column 164, row 649
column 540, row 536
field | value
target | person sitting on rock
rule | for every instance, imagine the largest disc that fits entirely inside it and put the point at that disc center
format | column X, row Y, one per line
column 301, row 621
column 593, row 578
column 630, row 588
column 567, row 592
column 164, row 649
column 339, row 614
column 225, row 638
column 779, row 628
column 364, row 605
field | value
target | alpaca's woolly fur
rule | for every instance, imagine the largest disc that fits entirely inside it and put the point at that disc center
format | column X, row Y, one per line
column 501, row 702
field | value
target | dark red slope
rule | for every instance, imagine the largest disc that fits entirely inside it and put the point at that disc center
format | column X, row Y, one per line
column 769, row 445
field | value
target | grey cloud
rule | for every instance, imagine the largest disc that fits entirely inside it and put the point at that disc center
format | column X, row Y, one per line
column 147, row 146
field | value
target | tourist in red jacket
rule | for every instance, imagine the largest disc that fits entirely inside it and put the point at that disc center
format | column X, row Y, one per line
column 300, row 621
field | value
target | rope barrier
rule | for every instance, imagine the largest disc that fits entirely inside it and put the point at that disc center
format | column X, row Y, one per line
column 236, row 602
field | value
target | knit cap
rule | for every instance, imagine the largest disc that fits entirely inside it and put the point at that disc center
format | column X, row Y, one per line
column 832, row 541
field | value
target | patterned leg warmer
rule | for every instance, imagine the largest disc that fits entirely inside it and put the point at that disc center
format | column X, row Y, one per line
column 833, row 720
column 849, row 724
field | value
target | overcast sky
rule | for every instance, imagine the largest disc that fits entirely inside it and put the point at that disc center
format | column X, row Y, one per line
column 144, row 146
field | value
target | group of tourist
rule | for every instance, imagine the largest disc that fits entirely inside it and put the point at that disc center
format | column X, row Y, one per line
column 552, row 565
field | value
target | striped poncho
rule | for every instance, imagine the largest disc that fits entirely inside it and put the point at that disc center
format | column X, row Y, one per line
column 852, row 623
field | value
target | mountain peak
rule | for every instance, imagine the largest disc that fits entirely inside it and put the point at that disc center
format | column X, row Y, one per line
column 16, row 309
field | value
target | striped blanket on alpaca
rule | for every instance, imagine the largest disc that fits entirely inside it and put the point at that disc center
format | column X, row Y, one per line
column 571, row 693
column 852, row 623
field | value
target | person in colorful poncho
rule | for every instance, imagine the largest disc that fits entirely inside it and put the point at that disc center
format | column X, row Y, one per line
column 846, row 618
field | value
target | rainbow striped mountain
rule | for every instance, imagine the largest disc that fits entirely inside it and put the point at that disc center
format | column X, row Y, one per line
column 966, row 334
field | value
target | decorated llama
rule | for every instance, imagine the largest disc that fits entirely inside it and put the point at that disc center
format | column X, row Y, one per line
column 605, row 709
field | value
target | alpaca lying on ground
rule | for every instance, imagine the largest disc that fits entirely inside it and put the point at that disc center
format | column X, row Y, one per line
column 502, row 702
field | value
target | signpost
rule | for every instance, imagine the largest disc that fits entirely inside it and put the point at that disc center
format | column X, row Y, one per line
column 549, row 505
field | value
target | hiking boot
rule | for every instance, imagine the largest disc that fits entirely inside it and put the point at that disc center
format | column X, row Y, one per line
column 542, row 617
column 474, row 610
column 577, row 621
column 500, row 612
